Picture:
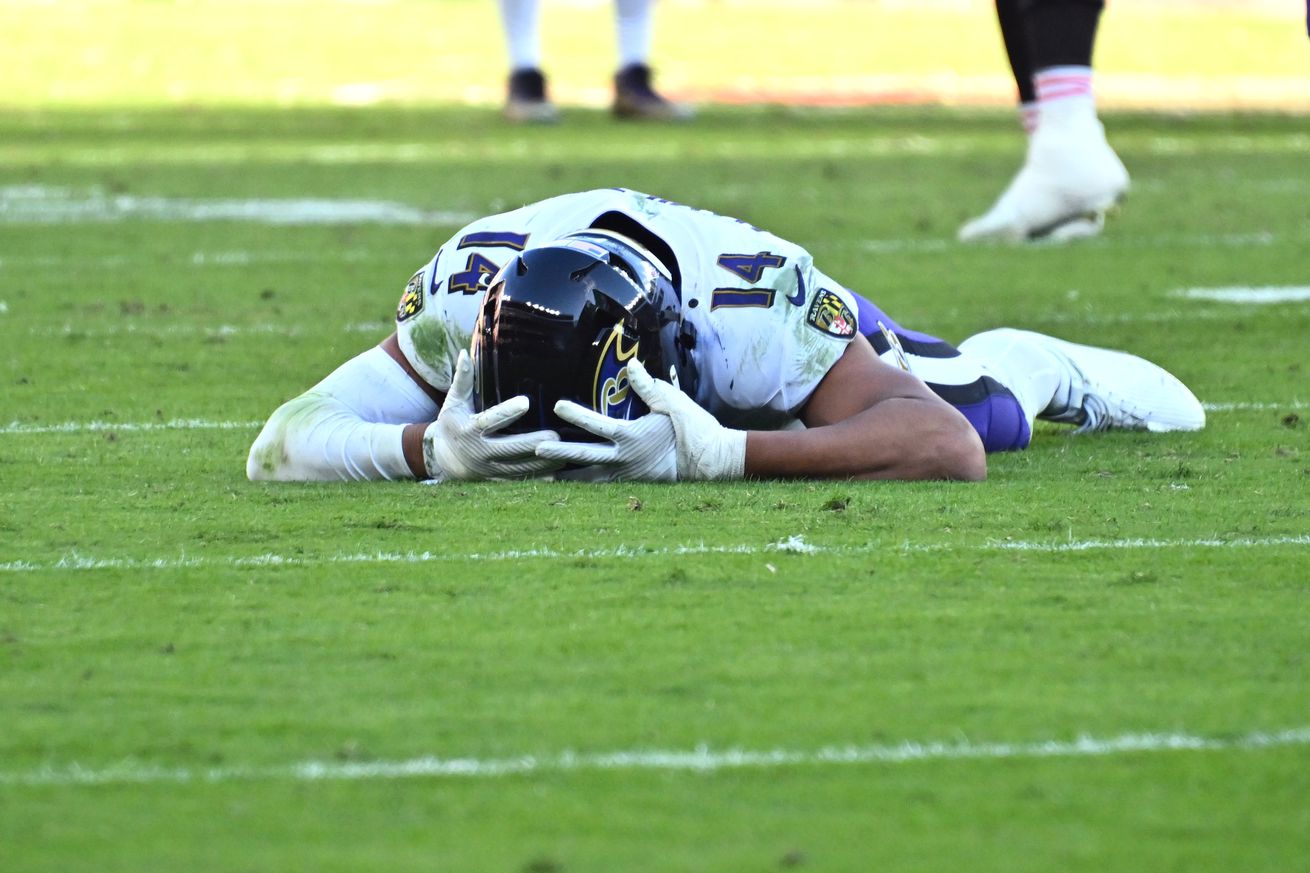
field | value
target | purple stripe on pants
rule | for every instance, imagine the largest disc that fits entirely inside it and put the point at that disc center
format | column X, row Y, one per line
column 999, row 419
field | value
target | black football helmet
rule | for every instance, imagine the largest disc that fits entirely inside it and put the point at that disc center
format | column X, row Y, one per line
column 562, row 320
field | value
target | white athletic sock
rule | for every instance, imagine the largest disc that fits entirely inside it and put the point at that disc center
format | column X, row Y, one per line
column 1064, row 94
column 1034, row 375
column 1028, row 117
column 632, row 19
column 522, row 33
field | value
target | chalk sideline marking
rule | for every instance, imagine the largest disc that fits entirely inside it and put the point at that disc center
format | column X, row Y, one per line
column 235, row 258
column 15, row 428
column 217, row 332
column 1248, row 295
column 794, row 545
column 82, row 330
column 37, row 204
column 18, row 427
column 701, row 759
column 1137, row 543
column 242, row 258
column 1255, row 406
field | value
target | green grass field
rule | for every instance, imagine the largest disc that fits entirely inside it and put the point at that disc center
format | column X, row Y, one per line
column 1095, row 661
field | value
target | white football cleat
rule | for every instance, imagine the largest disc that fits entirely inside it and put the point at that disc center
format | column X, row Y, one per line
column 1106, row 389
column 1069, row 180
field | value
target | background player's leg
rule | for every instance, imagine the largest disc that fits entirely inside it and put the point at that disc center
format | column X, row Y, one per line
column 633, row 23
column 634, row 94
column 1061, row 33
column 1014, row 33
column 526, row 100
column 1071, row 176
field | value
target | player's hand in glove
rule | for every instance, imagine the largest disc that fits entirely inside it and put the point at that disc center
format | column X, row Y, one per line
column 706, row 449
column 702, row 448
column 461, row 443
column 644, row 449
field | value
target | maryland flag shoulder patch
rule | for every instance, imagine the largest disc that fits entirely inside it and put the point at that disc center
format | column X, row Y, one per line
column 411, row 302
column 829, row 314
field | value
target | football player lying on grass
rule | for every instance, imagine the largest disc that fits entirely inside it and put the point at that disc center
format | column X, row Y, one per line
column 614, row 335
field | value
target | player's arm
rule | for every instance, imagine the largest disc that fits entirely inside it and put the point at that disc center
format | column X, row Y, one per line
column 375, row 417
column 865, row 420
column 870, row 420
column 364, row 421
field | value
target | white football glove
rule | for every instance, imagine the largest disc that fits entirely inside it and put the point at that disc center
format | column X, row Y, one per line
column 644, row 449
column 701, row 447
column 460, row 444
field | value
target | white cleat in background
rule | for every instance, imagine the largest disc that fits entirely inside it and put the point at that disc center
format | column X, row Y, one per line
column 1070, row 179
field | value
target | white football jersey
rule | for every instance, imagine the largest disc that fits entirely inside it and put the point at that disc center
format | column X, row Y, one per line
column 768, row 325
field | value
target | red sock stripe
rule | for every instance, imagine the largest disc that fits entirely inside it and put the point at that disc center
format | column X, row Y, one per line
column 1067, row 92
column 1056, row 86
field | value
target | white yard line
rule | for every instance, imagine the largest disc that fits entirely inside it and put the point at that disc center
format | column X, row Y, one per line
column 37, row 204
column 163, row 328
column 184, row 329
column 18, row 428
column 381, row 328
column 243, row 258
column 701, row 759
column 1248, row 295
column 234, row 258
column 1130, row 544
column 794, row 545
column 1253, row 406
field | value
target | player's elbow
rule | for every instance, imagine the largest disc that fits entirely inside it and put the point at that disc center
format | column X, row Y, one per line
column 274, row 455
column 961, row 455
column 950, row 449
column 319, row 438
column 268, row 460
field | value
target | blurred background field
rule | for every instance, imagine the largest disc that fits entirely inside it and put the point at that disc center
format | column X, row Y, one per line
column 1161, row 54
